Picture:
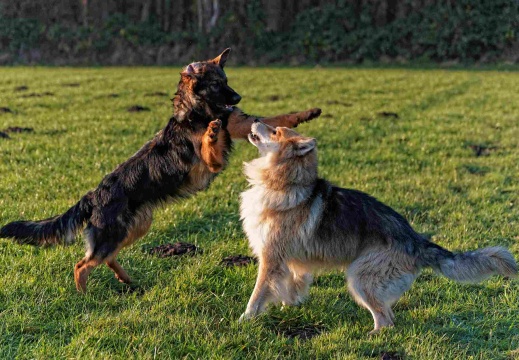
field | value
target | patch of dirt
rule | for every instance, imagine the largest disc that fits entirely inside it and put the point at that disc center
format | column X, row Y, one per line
column 46, row 93
column 3, row 135
column 274, row 98
column 482, row 150
column 457, row 189
column 475, row 169
column 114, row 95
column 391, row 355
column 5, row 110
column 337, row 102
column 71, row 85
column 17, row 129
column 179, row 248
column 238, row 260
column 156, row 93
column 53, row 132
column 327, row 116
column 388, row 114
column 131, row 289
column 21, row 88
column 138, row 108
column 304, row 332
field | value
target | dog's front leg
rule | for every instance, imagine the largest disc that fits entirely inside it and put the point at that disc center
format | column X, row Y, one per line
column 260, row 295
column 240, row 123
column 213, row 144
column 269, row 287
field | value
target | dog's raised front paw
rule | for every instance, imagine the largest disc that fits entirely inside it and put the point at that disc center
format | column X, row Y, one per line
column 214, row 128
column 307, row 115
column 313, row 113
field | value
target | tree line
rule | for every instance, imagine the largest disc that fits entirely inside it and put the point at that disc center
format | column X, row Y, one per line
column 261, row 31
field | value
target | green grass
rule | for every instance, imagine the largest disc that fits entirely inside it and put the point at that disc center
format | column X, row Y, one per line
column 420, row 163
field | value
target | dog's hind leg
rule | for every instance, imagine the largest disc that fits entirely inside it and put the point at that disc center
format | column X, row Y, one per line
column 142, row 223
column 102, row 245
column 377, row 280
column 239, row 124
column 213, row 147
column 298, row 285
column 120, row 274
column 84, row 267
column 82, row 270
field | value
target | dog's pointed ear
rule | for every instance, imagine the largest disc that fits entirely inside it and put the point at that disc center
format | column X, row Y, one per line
column 222, row 58
column 305, row 145
column 189, row 70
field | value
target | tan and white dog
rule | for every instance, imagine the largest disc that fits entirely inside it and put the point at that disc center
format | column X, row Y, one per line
column 297, row 223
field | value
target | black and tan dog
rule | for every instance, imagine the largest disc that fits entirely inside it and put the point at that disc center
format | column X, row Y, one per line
column 180, row 160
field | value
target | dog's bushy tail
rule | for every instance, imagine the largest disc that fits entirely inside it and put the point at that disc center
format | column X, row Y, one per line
column 59, row 229
column 471, row 266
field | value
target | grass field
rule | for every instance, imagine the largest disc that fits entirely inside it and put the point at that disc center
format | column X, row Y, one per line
column 441, row 147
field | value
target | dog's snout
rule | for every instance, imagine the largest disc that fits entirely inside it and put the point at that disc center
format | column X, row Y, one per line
column 236, row 98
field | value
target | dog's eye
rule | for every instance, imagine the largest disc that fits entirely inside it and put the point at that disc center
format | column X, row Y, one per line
column 215, row 86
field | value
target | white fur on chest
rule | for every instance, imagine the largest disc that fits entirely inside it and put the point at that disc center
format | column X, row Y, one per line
column 251, row 209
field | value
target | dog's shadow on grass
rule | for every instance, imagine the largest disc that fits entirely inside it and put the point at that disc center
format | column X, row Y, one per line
column 212, row 226
column 454, row 327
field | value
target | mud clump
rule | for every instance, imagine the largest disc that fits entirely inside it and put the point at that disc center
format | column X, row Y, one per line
column 179, row 248
column 138, row 108
column 303, row 332
column 391, row 355
column 238, row 260
column 388, row 114
column 18, row 130
column 482, row 150
column 31, row 95
column 156, row 93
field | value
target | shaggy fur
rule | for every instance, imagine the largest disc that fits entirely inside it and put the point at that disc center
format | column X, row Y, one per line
column 182, row 159
column 297, row 222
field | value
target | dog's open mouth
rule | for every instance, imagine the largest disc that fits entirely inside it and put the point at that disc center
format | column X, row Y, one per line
column 253, row 138
column 227, row 108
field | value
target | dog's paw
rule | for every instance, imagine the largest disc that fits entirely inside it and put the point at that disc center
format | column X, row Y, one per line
column 380, row 329
column 313, row 113
column 308, row 115
column 214, row 128
column 244, row 317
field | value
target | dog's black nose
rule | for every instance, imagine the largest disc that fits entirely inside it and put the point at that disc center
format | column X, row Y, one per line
column 256, row 120
column 236, row 99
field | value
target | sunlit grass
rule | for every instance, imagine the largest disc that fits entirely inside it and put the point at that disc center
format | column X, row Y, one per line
column 419, row 157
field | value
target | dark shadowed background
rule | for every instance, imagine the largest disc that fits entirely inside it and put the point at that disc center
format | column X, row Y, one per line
column 160, row 32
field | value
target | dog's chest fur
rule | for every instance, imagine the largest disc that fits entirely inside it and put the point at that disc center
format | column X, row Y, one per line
column 198, row 179
column 277, row 215
column 251, row 211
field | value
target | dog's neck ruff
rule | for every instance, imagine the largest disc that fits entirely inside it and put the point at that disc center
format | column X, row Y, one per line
column 188, row 106
column 288, row 197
